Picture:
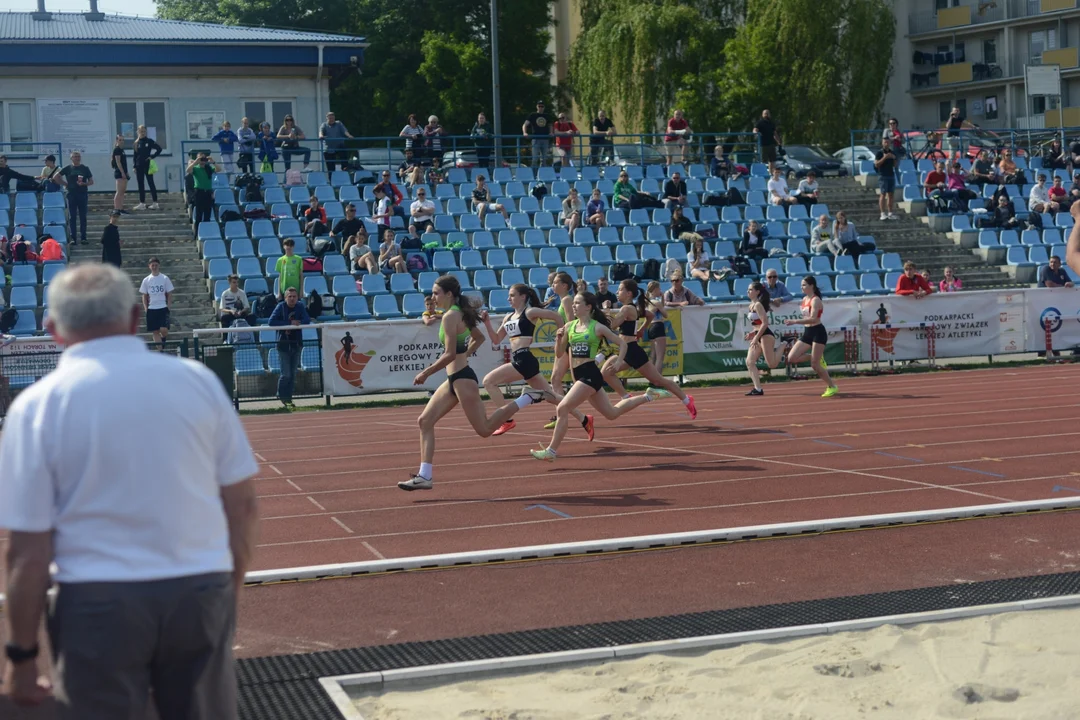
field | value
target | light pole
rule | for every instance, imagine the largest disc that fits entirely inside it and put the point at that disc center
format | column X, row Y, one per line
column 496, row 111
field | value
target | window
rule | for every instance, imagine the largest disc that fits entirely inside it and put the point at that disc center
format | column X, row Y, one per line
column 945, row 4
column 1040, row 41
column 962, row 105
column 1038, row 104
column 958, row 55
column 944, row 110
column 130, row 114
column 990, row 52
column 17, row 125
column 272, row 111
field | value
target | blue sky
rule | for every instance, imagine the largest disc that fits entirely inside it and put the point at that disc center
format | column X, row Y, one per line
column 145, row 8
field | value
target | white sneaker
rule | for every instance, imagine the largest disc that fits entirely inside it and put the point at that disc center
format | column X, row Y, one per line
column 140, row 206
column 890, row 216
column 415, row 482
column 155, row 206
column 307, row 168
column 884, row 216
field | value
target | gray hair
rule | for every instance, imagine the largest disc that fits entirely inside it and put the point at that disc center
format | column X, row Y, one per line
column 88, row 297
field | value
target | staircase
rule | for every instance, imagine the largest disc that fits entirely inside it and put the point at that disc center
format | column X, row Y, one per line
column 910, row 237
column 166, row 235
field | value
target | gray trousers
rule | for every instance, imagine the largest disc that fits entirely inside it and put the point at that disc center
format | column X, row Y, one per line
column 114, row 643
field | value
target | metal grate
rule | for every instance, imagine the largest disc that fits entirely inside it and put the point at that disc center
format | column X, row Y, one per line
column 286, row 687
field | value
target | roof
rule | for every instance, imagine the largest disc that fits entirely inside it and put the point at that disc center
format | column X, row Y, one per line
column 73, row 26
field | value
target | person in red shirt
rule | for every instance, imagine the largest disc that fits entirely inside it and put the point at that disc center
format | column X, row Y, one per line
column 936, row 179
column 911, row 283
column 1058, row 193
column 565, row 130
column 678, row 137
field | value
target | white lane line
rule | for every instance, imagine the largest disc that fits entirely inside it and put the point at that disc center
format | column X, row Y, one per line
column 260, row 457
column 344, row 527
column 289, row 480
column 374, row 552
column 316, row 503
column 274, row 468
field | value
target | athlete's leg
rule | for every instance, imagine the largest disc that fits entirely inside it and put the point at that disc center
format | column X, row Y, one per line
column 601, row 402
column 752, row 356
column 469, row 397
column 505, row 373
column 440, row 403
column 815, row 362
column 579, row 393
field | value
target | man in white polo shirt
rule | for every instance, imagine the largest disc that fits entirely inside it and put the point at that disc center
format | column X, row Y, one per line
column 146, row 508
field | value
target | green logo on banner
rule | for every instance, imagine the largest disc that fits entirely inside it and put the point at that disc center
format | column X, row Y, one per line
column 720, row 330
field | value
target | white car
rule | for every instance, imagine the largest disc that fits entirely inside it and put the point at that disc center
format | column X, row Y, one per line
column 860, row 152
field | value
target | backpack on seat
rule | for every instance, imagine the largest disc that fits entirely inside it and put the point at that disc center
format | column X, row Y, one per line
column 8, row 319
column 264, row 308
column 238, row 338
column 650, row 269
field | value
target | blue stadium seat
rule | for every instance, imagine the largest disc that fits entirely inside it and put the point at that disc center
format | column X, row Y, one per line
column 844, row 264
column 53, row 200
column 24, row 297
column 1017, row 255
column 533, row 238
column 344, row 286
column 50, row 215
column 1039, row 255
column 485, row 280
column 412, row 305
column 50, row 271
column 498, row 259
column 719, row 291
column 509, row 239
column 247, row 267
column 870, row 283
column 256, row 286
column 443, row 261
column 559, row 237
column 846, row 285
column 355, row 307
column 334, row 264
column 524, row 258
column 241, row 248
column 511, row 276
column 538, row 278
column 374, row 284
column 214, row 249
column 796, row 266
column 269, row 247
column 401, row 283
column 626, row 254
column 550, row 257
column 385, row 306
column 601, row 255
column 821, row 265
column 869, row 263
column 498, row 301
column 471, row 260
column 575, row 256
column 219, row 269
column 209, row 231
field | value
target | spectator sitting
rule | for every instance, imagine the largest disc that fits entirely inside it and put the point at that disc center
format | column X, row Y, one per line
column 911, row 283
column 315, row 219
column 390, row 257
column 410, row 172
column 1039, row 199
column 289, row 312
column 52, row 250
column 8, row 174
column 481, row 199
column 950, row 283
column 594, row 211
column 422, row 211
column 1059, row 195
column 360, row 255
column 571, row 211
column 848, row 238
column 982, row 170
column 677, row 138
column 1074, row 154
column 955, row 188
column 233, row 304
column 1074, row 190
column 47, row 177
column 681, row 226
column 1003, row 215
column 623, row 191
column 778, row 292
column 721, row 167
column 1053, row 275
column 807, row 192
column 822, row 240
column 346, row 227
column 936, row 180
column 604, row 296
column 1054, row 158
column 678, row 295
column 674, row 192
column 22, row 250
column 778, row 189
column 753, row 241
column 698, row 262
column 1010, row 174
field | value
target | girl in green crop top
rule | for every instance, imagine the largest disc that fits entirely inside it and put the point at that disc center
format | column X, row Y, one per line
column 460, row 337
column 563, row 286
column 579, row 341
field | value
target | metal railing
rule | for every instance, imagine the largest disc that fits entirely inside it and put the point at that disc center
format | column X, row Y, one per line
column 982, row 12
column 250, row 370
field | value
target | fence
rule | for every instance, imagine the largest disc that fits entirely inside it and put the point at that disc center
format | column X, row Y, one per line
column 250, row 370
column 376, row 153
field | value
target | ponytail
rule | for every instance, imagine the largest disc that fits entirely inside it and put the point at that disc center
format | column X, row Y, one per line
column 812, row 282
column 595, row 310
column 531, row 298
column 470, row 312
column 640, row 301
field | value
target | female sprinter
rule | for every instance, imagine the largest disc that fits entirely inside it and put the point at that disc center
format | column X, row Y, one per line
column 814, row 335
column 634, row 308
column 580, row 340
column 563, row 285
column 461, row 338
column 762, row 340
column 657, row 333
column 519, row 326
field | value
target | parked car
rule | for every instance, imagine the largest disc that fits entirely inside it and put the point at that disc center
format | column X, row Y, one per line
column 801, row 159
column 849, row 155
column 628, row 154
column 377, row 158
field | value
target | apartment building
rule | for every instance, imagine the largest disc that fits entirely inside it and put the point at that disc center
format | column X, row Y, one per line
column 971, row 54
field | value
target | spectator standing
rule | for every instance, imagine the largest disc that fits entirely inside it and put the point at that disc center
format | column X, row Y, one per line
column 78, row 179
column 674, row 192
column 481, row 200
column 226, row 140
column 1039, row 198
column 537, row 128
column 950, row 283
column 333, row 135
column 289, row 313
column 807, row 194
column 848, row 238
column 156, row 290
column 150, row 522
column 289, row 135
column 233, row 304
column 290, row 269
column 201, row 170
column 8, row 174
column 571, row 211
column 390, row 256
column 412, row 132
column 954, row 127
column 594, row 211
column 885, row 163
column 677, row 138
column 483, row 140
column 778, row 190
column 600, row 139
column 678, row 295
column 1053, row 275
column 144, row 155
column 768, row 137
column 778, row 292
column 894, row 137
column 982, row 170
column 433, row 133
column 245, row 143
column 110, row 241
column 1055, row 158
column 565, row 130
column 120, row 172
column 422, row 211
column 911, row 283
column 268, row 153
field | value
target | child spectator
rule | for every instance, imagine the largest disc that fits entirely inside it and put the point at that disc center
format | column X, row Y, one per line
column 267, row 147
column 390, row 257
column 594, row 211
column 432, row 314
column 911, row 283
column 950, row 283
column 226, row 140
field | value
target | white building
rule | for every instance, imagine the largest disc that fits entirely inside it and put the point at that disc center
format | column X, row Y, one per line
column 80, row 79
column 971, row 54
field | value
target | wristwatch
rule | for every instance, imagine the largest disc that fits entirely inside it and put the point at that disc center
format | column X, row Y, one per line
column 18, row 654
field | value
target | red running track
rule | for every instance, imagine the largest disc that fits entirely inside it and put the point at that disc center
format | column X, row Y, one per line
column 886, row 444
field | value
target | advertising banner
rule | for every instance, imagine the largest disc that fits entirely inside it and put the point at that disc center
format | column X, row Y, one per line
column 1058, row 309
column 366, row 357
column 965, row 324
column 715, row 335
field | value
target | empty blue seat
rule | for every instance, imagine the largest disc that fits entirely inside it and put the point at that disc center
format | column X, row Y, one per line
column 575, row 255
column 344, row 286
column 870, row 283
column 219, row 269
column 601, row 255
column 334, row 264
column 256, row 286
column 23, row 275
column 869, row 263
column 24, row 297
column 355, row 307
column 471, row 260
column 374, row 284
column 498, row 259
column 844, row 264
column 385, row 306
column 443, row 260
column 509, row 239
column 846, row 285
column 524, row 258
column 401, row 283
column 50, row 215
column 511, row 276
column 485, row 280
column 241, row 247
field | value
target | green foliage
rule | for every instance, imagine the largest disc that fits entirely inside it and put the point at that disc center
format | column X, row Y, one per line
column 819, row 73
column 425, row 56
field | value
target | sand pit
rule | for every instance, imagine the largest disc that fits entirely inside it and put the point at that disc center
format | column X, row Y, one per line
column 1015, row 666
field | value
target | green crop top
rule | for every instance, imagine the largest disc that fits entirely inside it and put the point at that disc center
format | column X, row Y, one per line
column 583, row 344
column 462, row 338
column 562, row 311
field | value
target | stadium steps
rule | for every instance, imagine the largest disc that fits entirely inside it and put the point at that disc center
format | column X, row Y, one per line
column 165, row 234
column 909, row 237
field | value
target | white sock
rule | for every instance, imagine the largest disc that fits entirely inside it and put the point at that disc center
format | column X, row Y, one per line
column 425, row 471
column 686, row 401
column 523, row 401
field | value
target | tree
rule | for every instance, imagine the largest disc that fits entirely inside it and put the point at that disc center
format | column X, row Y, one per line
column 819, row 73
column 425, row 56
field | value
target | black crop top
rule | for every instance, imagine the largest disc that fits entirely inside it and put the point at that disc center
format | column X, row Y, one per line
column 520, row 326
column 628, row 328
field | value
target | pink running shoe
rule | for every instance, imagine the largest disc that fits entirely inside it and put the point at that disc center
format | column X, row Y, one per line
column 691, row 407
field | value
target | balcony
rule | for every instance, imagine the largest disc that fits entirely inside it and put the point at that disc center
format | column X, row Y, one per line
column 972, row 13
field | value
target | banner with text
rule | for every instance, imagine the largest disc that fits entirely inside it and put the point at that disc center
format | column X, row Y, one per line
column 965, row 324
column 1058, row 309
column 367, row 357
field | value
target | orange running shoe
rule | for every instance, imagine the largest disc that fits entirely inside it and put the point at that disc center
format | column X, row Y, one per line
column 589, row 427
column 505, row 427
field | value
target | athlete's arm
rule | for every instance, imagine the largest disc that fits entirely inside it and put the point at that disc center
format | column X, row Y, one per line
column 562, row 340
column 450, row 320
column 476, row 340
column 535, row 313
column 496, row 336
column 615, row 339
column 764, row 317
column 1072, row 250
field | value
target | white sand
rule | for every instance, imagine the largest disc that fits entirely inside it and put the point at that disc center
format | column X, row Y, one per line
column 1016, row 666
